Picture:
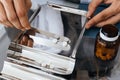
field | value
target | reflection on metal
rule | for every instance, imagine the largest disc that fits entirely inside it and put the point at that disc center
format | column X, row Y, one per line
column 7, row 77
column 67, row 9
column 12, row 71
column 34, row 58
column 78, row 41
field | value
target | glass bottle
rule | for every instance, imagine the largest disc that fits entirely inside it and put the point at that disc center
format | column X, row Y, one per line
column 106, row 49
column 107, row 43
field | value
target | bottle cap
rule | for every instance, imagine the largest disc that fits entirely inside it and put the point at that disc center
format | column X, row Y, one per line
column 109, row 33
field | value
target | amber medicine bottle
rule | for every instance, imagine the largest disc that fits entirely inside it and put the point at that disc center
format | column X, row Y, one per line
column 107, row 43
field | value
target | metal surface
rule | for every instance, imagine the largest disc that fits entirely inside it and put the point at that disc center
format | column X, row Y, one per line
column 37, row 59
column 73, row 11
column 13, row 71
column 78, row 41
column 67, row 9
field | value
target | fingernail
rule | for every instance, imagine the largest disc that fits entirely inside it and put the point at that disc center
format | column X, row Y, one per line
column 87, row 26
column 88, row 15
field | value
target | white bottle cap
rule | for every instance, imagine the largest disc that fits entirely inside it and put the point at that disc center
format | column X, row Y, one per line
column 108, row 38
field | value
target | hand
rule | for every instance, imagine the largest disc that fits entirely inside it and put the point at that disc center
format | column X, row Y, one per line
column 14, row 13
column 110, row 15
column 26, row 41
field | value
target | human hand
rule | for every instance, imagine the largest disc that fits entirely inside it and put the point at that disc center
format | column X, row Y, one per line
column 110, row 15
column 26, row 41
column 14, row 13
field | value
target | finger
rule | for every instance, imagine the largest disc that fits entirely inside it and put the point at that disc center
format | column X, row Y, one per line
column 28, row 4
column 23, row 43
column 3, row 17
column 108, row 1
column 112, row 20
column 22, row 13
column 25, row 38
column 92, row 7
column 101, row 16
column 6, row 24
column 30, row 42
column 10, row 12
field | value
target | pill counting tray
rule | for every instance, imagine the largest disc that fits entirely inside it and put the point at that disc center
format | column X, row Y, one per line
column 38, row 64
column 34, row 61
